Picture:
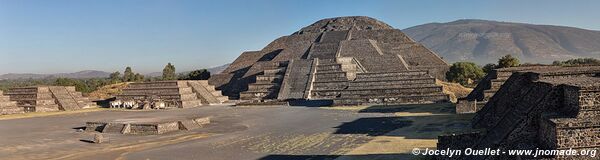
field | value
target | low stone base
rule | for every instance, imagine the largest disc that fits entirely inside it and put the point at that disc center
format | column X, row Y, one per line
column 147, row 126
column 263, row 103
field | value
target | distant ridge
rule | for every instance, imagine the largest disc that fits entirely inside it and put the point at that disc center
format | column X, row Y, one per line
column 80, row 74
column 485, row 41
column 212, row 70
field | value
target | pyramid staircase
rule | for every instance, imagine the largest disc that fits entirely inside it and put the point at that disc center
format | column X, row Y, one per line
column 7, row 106
column 179, row 94
column 348, row 85
column 329, row 80
column 267, row 84
column 207, row 93
column 49, row 98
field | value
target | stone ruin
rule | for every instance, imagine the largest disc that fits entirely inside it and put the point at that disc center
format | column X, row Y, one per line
column 548, row 109
column 147, row 126
column 49, row 98
column 492, row 82
column 7, row 106
column 347, row 60
column 178, row 94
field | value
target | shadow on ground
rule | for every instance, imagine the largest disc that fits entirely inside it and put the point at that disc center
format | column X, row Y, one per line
column 417, row 121
column 438, row 108
column 331, row 157
column 105, row 103
column 373, row 126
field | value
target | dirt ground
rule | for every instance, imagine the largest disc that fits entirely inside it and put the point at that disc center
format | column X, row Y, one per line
column 257, row 132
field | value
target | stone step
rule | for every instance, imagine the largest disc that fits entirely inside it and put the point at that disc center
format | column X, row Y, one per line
column 36, row 101
column 396, row 81
column 153, row 87
column 190, row 103
column 255, row 86
column 280, row 70
column 331, row 79
column 327, row 61
column 156, row 84
column 330, row 85
column 269, row 78
column 24, row 89
column 256, row 95
column 4, row 98
column 11, row 110
column 391, row 74
column 394, row 78
column 46, row 108
column 487, row 94
column 34, row 93
column 183, row 97
column 8, row 104
column 329, row 67
column 496, row 84
column 362, row 87
column 398, row 99
column 384, row 91
column 329, row 75
column 158, row 91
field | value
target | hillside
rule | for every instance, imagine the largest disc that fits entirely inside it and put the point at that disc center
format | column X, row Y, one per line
column 485, row 41
column 108, row 91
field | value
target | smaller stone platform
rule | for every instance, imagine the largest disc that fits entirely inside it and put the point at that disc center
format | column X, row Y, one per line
column 147, row 126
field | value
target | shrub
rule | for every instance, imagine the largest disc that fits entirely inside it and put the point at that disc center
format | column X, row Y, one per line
column 464, row 73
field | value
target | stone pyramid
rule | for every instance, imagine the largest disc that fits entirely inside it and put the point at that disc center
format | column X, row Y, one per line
column 7, row 106
column 492, row 82
column 180, row 94
column 350, row 60
column 49, row 98
column 536, row 109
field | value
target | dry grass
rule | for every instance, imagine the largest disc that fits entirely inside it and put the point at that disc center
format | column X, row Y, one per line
column 108, row 91
column 455, row 90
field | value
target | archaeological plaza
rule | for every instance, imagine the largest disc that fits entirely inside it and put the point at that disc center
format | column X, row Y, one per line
column 340, row 88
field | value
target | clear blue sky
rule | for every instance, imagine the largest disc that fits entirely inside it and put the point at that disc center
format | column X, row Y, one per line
column 51, row 36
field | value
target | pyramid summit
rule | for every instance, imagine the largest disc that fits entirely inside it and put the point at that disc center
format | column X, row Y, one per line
column 345, row 23
column 349, row 60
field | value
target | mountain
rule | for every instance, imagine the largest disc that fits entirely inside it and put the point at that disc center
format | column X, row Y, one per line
column 218, row 69
column 212, row 70
column 485, row 41
column 80, row 74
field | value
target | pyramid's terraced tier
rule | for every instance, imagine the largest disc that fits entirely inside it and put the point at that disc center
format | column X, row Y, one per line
column 345, row 46
column 49, row 98
column 181, row 94
column 267, row 84
column 536, row 109
column 7, row 106
column 490, row 84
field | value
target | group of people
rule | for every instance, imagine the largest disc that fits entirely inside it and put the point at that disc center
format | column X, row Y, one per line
column 133, row 104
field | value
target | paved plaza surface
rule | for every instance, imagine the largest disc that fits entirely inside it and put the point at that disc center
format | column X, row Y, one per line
column 257, row 132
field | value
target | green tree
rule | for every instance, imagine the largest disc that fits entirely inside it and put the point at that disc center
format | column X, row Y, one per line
column 128, row 75
column 79, row 84
column 201, row 74
column 577, row 62
column 489, row 67
column 464, row 73
column 508, row 61
column 115, row 77
column 138, row 77
column 169, row 72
